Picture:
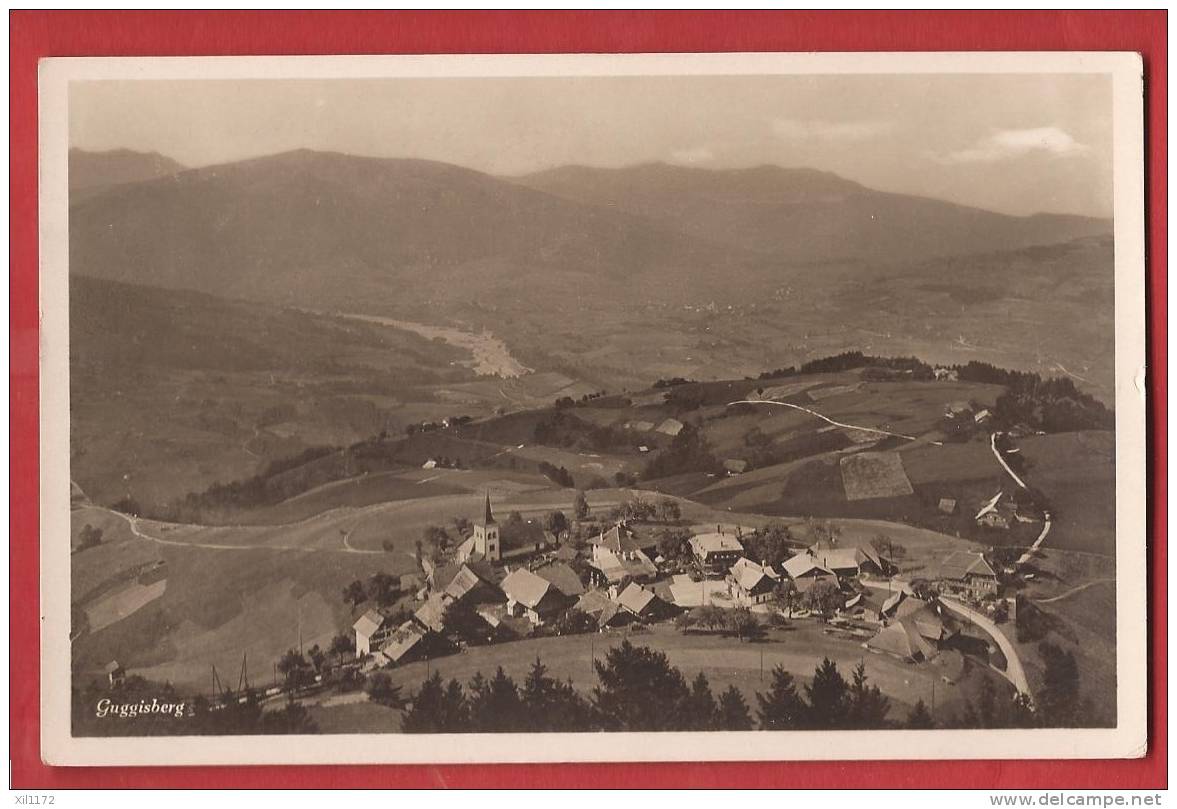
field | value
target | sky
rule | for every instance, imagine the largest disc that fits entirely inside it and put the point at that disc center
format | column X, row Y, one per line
column 1017, row 144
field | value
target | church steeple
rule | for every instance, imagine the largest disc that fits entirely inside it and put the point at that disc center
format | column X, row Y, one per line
column 486, row 535
column 489, row 517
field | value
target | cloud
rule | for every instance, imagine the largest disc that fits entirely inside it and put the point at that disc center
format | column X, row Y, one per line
column 1004, row 144
column 694, row 154
column 812, row 129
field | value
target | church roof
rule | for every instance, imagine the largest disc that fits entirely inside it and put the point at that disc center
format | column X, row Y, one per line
column 488, row 518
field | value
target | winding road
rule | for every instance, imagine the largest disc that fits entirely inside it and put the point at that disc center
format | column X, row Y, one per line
column 829, row 420
column 1029, row 554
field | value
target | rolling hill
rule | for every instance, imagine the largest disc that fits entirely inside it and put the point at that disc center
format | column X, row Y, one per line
column 803, row 215
column 93, row 172
column 309, row 227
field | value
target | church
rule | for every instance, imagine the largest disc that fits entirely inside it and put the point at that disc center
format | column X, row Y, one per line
column 492, row 541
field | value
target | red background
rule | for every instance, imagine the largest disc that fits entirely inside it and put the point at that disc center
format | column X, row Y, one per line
column 36, row 34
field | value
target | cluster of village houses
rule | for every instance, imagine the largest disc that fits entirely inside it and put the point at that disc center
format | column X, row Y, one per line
column 525, row 580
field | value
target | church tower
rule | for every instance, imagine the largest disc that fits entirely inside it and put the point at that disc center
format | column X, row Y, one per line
column 486, row 535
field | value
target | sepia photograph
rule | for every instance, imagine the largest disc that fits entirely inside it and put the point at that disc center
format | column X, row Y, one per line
column 575, row 408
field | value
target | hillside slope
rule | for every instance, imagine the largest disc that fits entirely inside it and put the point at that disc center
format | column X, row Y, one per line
column 309, row 227
column 803, row 215
column 92, row 172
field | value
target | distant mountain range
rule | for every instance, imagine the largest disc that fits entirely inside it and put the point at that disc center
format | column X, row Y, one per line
column 309, row 227
column 93, row 172
column 805, row 215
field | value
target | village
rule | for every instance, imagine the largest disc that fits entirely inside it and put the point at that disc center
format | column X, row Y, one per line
column 521, row 579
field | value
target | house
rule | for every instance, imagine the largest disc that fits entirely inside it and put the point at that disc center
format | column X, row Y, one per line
column 521, row 537
column 967, row 573
column 431, row 614
column 805, row 571
column 116, row 675
column 620, row 539
column 735, row 466
column 474, row 582
column 716, row 552
column 901, row 640
column 687, row 593
column 643, row 448
column 532, row 596
column 957, row 409
column 945, row 374
column 982, row 416
column 430, row 464
column 913, row 629
column 993, row 519
column 372, row 630
column 642, row 603
column 947, row 505
column 994, row 513
column 614, row 569
column 604, row 610
column 671, row 427
column 640, row 426
column 751, row 584
column 562, row 577
column 403, row 645
column 848, row 559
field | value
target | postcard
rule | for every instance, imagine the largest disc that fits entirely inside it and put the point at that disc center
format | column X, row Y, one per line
column 576, row 408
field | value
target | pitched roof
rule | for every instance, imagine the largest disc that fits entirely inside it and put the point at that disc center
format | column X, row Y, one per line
column 562, row 577
column 616, row 567
column 750, row 576
column 523, row 534
column 402, row 641
column 525, row 587
column 636, row 599
column 488, row 517
column 430, row 613
column 902, row 640
column 842, row 555
column 804, row 564
column 960, row 564
column 703, row 544
column 468, row 581
column 441, row 576
column 735, row 465
column 596, row 604
column 620, row 539
column 113, row 666
column 369, row 623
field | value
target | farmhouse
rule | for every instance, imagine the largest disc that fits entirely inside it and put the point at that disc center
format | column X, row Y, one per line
column 901, row 640
column 945, row 374
column 947, row 505
column 533, row 597
column 372, row 630
column 848, row 560
column 621, row 540
column 613, row 569
column 805, row 571
column 716, row 552
column 562, row 577
column 474, row 582
column 643, row 604
column 431, row 614
column 913, row 629
column 750, row 583
column 968, row 573
column 404, row 645
column 604, row 610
